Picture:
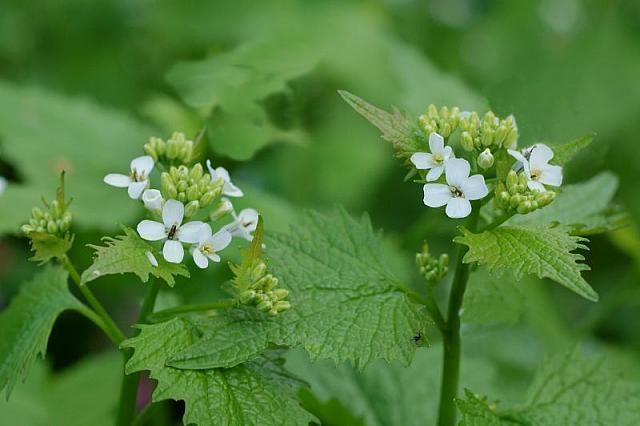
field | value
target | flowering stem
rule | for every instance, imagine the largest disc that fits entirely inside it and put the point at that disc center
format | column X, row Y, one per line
column 451, row 335
column 167, row 314
column 129, row 387
column 434, row 310
column 109, row 326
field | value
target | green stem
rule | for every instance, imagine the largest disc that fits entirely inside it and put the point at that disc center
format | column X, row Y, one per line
column 434, row 310
column 129, row 388
column 110, row 327
column 451, row 336
column 167, row 314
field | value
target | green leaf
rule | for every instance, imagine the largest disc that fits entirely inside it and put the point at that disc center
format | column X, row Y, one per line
column 25, row 326
column 562, row 154
column 44, row 133
column 346, row 304
column 504, row 294
column 47, row 246
column 127, row 254
column 570, row 390
column 395, row 126
column 256, row 393
column 586, row 207
column 542, row 250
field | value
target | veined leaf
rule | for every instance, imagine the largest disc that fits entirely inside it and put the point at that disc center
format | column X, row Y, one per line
column 568, row 390
column 586, row 207
column 127, row 254
column 542, row 250
column 346, row 304
column 25, row 326
column 256, row 393
column 563, row 153
column 47, row 246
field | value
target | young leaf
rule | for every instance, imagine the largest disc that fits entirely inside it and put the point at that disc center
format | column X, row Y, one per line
column 542, row 250
column 256, row 393
column 127, row 254
column 346, row 304
column 47, row 246
column 562, row 154
column 395, row 126
column 569, row 390
column 25, row 326
column 586, row 207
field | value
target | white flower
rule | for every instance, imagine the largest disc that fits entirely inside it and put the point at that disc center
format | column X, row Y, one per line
column 172, row 231
column 228, row 188
column 152, row 199
column 137, row 181
column 459, row 191
column 209, row 245
column 436, row 161
column 151, row 258
column 243, row 224
column 3, row 185
column 535, row 162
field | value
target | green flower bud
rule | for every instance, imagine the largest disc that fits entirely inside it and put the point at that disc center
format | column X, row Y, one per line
column 182, row 197
column 191, row 209
column 196, row 172
column 485, row 159
column 487, row 137
column 432, row 111
column 37, row 213
column 466, row 141
column 224, row 208
column 280, row 293
column 172, row 149
column 545, row 198
column 264, row 306
column 281, row 306
column 247, row 296
column 444, row 261
column 52, row 228
column 525, row 207
column 193, row 193
column 55, row 209
column 515, row 200
column 27, row 229
column 512, row 182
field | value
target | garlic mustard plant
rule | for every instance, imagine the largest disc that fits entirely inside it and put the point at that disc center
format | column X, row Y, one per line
column 137, row 180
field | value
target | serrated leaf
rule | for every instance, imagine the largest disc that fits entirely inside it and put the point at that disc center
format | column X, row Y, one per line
column 256, row 393
column 47, row 246
column 569, row 390
column 541, row 250
column 395, row 126
column 505, row 295
column 563, row 153
column 25, row 326
column 586, row 207
column 346, row 304
column 127, row 254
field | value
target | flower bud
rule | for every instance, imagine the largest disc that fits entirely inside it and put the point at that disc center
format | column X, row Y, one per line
column 222, row 210
column 37, row 213
column 192, row 193
column 525, row 207
column 172, row 149
column 485, row 159
column 247, row 296
column 265, row 306
column 281, row 306
column 280, row 293
column 512, row 182
column 466, row 141
column 545, row 198
column 182, row 197
column 192, row 208
column 27, row 229
column 196, row 172
column 52, row 228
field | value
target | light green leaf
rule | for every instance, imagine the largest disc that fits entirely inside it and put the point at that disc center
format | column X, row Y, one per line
column 568, row 389
column 256, row 393
column 346, row 304
column 25, row 326
column 563, row 153
column 395, row 126
column 542, row 250
column 126, row 254
column 43, row 134
column 504, row 294
column 47, row 246
column 585, row 206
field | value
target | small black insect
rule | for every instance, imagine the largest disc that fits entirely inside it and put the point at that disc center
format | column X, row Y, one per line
column 417, row 338
column 172, row 232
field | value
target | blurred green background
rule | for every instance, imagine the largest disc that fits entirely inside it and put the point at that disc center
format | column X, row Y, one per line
column 85, row 84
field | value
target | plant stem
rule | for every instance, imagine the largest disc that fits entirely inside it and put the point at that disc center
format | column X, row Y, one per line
column 129, row 388
column 451, row 336
column 111, row 329
column 167, row 314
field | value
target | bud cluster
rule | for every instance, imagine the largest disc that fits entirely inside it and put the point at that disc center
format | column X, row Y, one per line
column 177, row 150
column 191, row 186
column 514, row 196
column 444, row 121
column 56, row 220
column 479, row 134
column 432, row 269
column 261, row 290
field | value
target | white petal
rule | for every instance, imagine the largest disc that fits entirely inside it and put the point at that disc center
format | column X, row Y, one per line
column 249, row 219
column 435, row 173
column 231, row 190
column 422, row 160
column 436, row 194
column 540, row 156
column 458, row 208
column 474, row 188
column 212, row 172
column 152, row 199
column 142, row 165
column 117, row 180
column 243, row 233
column 214, row 257
column 151, row 230
column 136, row 188
column 519, row 158
column 200, row 259
column 220, row 240
column 3, row 184
column 551, row 175
column 172, row 213
column 205, row 233
column 457, row 171
column 221, row 172
column 152, row 259
column 465, row 114
column 436, row 143
column 190, row 232
column 448, row 153
column 173, row 251
column 536, row 186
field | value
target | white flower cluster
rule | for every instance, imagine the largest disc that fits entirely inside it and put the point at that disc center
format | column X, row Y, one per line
column 173, row 231
column 459, row 188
